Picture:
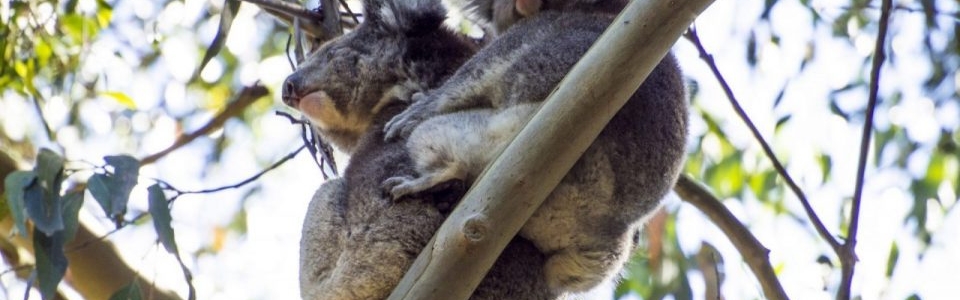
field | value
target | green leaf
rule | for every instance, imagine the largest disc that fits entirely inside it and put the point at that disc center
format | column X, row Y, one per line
column 726, row 177
column 49, row 168
column 226, row 20
column 782, row 121
column 112, row 190
column 51, row 262
column 42, row 198
column 76, row 26
column 161, row 223
column 892, row 259
column 121, row 98
column 100, row 189
column 826, row 166
column 14, row 185
column 43, row 51
column 128, row 292
column 71, row 214
column 104, row 13
column 161, row 218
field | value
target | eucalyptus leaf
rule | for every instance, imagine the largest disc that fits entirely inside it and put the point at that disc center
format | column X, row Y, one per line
column 126, row 169
column 229, row 11
column 99, row 188
column 112, row 190
column 71, row 214
column 49, row 169
column 43, row 208
column 161, row 218
column 14, row 186
column 51, row 262
column 42, row 197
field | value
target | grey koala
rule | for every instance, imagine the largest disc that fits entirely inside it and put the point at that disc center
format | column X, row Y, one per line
column 586, row 224
column 357, row 243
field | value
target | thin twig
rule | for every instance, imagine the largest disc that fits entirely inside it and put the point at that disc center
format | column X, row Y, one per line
column 315, row 144
column 43, row 119
column 848, row 259
column 103, row 237
column 821, row 229
column 15, row 269
column 291, row 9
column 298, row 43
column 253, row 178
column 245, row 98
column 753, row 252
column 349, row 11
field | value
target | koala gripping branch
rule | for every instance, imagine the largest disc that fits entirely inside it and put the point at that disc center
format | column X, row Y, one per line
column 455, row 261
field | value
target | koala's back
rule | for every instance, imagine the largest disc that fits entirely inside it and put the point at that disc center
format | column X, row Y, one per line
column 646, row 137
column 587, row 222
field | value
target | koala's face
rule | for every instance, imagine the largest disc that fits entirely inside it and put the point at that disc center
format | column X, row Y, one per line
column 344, row 83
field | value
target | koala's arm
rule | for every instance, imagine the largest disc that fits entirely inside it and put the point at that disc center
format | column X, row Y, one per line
column 471, row 86
column 521, row 66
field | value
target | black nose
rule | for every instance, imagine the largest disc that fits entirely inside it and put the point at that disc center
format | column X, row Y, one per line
column 291, row 90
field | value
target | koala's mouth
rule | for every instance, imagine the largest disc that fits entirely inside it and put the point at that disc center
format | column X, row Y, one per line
column 293, row 99
column 314, row 105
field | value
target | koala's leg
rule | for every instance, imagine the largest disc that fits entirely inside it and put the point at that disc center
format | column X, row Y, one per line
column 577, row 269
column 579, row 228
column 399, row 187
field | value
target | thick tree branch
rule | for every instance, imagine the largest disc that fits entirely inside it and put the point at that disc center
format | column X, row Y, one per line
column 241, row 101
column 467, row 244
column 848, row 258
column 817, row 224
column 753, row 252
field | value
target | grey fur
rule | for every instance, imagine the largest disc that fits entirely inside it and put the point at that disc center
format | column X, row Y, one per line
column 498, row 15
column 587, row 223
column 356, row 243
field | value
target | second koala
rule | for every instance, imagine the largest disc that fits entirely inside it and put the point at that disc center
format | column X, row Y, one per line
column 586, row 224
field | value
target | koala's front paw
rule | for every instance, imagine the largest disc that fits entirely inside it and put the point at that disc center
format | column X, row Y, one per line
column 396, row 187
column 403, row 123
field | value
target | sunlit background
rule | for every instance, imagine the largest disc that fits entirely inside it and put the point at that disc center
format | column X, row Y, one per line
column 117, row 77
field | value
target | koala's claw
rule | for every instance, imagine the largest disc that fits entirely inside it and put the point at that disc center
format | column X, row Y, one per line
column 403, row 123
column 393, row 187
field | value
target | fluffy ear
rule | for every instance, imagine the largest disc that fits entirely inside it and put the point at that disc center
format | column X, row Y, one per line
column 409, row 17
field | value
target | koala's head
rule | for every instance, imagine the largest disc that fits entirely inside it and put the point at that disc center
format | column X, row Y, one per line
column 400, row 48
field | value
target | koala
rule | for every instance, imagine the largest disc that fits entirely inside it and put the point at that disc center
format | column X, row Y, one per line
column 356, row 243
column 585, row 226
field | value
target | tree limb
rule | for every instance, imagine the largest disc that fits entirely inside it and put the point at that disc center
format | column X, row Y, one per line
column 811, row 214
column 848, row 257
column 467, row 244
column 753, row 252
column 241, row 101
